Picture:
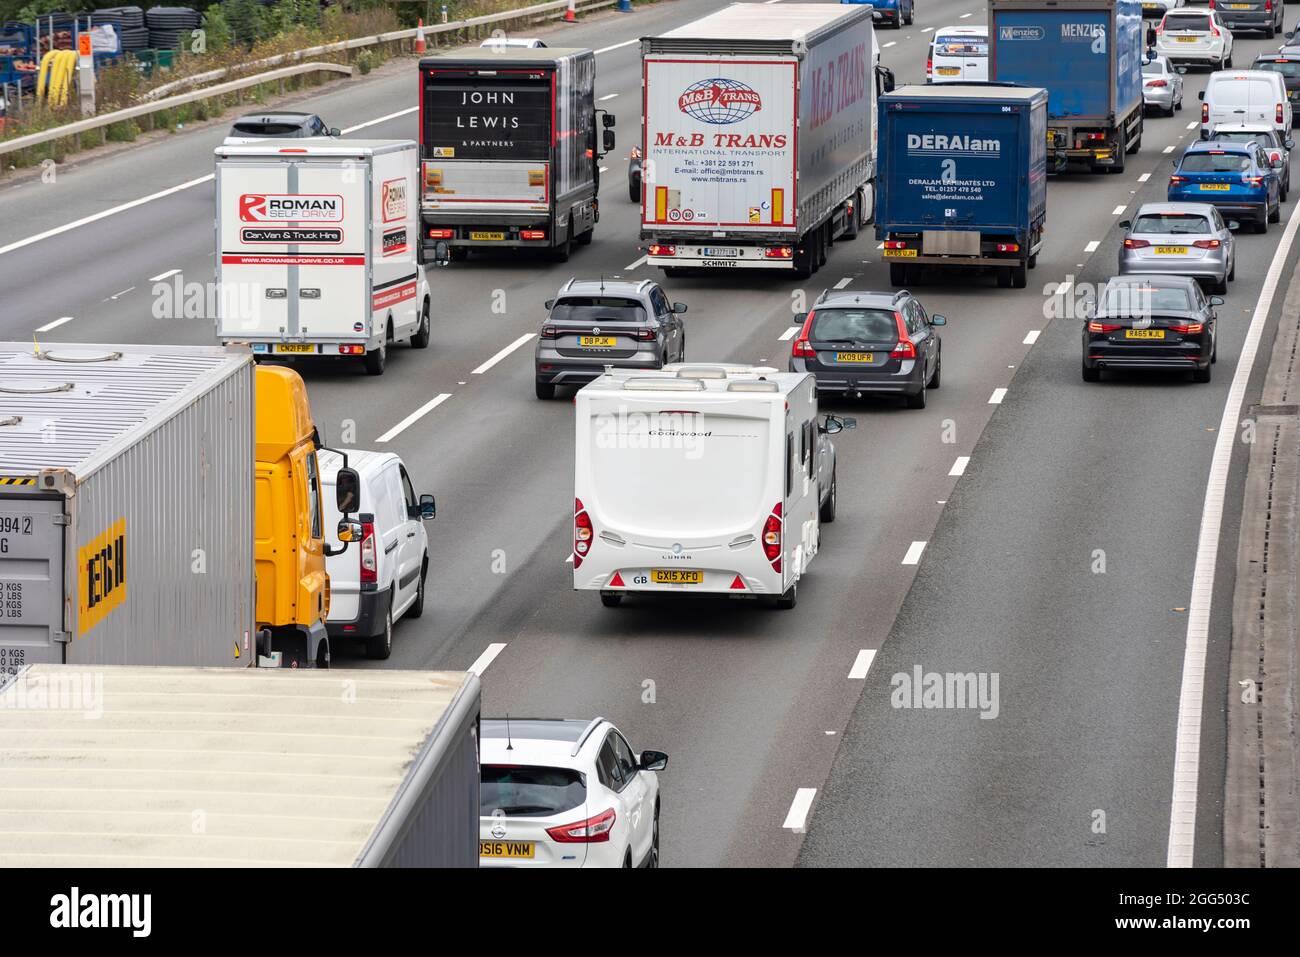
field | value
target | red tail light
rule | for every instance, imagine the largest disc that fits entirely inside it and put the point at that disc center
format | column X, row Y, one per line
column 1157, row 83
column 1136, row 244
column 1213, row 28
column 581, row 537
column 1096, row 136
column 772, row 537
column 593, row 830
column 904, row 349
column 802, row 348
column 1268, row 4
column 532, row 234
column 441, row 233
column 1095, row 326
column 778, row 252
column 895, row 244
column 1008, row 247
column 369, row 558
column 646, row 335
column 1253, row 180
column 1175, row 179
column 1187, row 329
column 1278, row 115
column 929, row 66
column 1211, row 4
column 1205, row 112
column 548, row 332
column 657, row 250
column 1207, row 244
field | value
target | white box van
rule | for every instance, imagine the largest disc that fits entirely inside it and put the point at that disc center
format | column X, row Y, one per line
column 1245, row 96
column 316, row 248
column 958, row 55
column 375, row 583
column 699, row 479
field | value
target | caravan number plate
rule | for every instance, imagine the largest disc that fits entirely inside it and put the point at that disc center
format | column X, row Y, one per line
column 676, row 576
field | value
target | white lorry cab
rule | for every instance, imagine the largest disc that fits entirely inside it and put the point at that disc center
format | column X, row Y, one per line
column 700, row 479
column 316, row 248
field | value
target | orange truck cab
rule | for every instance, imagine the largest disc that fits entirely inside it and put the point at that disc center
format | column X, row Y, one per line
column 289, row 534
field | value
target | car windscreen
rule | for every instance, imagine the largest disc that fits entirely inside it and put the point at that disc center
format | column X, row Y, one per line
column 598, row 308
column 1132, row 299
column 1185, row 22
column 529, row 791
column 854, row 325
column 1214, row 162
column 1180, row 223
column 1153, row 68
column 961, row 46
column 1288, row 68
column 267, row 129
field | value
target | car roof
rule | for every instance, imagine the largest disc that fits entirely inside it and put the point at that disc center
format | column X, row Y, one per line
column 1151, row 279
column 607, row 287
column 1217, row 146
column 554, row 740
column 866, row 297
column 281, row 116
column 1147, row 209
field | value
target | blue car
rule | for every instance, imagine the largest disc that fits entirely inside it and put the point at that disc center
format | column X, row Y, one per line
column 893, row 12
column 1235, row 177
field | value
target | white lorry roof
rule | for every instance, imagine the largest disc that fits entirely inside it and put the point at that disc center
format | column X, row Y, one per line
column 316, row 146
column 96, row 398
column 280, row 767
column 764, row 22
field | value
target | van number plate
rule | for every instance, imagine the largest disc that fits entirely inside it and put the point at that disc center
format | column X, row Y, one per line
column 300, row 347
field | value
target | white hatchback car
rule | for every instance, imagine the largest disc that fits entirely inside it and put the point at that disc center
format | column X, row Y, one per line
column 379, row 579
column 1195, row 37
column 566, row 793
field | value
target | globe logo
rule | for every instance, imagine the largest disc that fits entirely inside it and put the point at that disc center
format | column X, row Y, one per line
column 719, row 101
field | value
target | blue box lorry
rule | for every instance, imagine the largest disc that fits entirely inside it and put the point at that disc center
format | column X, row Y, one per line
column 963, row 179
column 1088, row 55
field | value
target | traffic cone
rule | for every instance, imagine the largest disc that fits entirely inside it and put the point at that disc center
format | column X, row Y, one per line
column 571, row 14
column 419, row 37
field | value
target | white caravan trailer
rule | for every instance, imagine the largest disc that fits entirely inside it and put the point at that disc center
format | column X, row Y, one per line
column 700, row 479
column 316, row 248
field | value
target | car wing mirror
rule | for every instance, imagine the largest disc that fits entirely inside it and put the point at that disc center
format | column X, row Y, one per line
column 549, row 303
column 938, row 320
column 1216, row 300
column 651, row 761
column 1233, row 225
column 1126, row 224
column 679, row 307
column 441, row 253
column 335, row 131
column 428, row 508
column 1289, row 144
column 830, row 425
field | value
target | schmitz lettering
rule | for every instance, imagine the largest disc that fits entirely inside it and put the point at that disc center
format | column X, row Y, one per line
column 290, row 208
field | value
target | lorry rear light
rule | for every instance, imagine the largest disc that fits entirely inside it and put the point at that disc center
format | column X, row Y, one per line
column 593, row 830
column 352, row 350
column 1207, row 244
column 778, row 252
column 1205, row 112
column 895, row 244
column 1008, row 247
column 658, row 250
column 1136, row 244
column 537, row 177
column 1095, row 326
column 369, row 560
column 441, row 233
column 532, row 234
column 1268, row 5
column 904, row 349
column 1096, row 136
column 581, row 532
column 801, row 348
column 772, row 537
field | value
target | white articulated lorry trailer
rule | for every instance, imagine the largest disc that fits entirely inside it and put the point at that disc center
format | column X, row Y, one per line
column 317, row 243
column 758, row 136
column 284, row 768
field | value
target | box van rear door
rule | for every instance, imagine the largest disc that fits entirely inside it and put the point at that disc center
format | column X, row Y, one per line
column 31, row 582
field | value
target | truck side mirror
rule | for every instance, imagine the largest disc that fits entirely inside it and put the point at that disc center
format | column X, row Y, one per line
column 1200, row 95
column 607, row 140
column 347, row 491
column 428, row 508
column 607, row 119
column 886, row 79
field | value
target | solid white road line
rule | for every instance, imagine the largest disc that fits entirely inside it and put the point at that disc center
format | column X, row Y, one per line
column 636, row 265
column 485, row 659
column 789, row 334
column 1144, row 177
column 862, row 664
column 889, row 44
column 797, row 816
column 618, row 46
column 503, row 353
column 415, row 416
column 1031, row 337
column 54, row 325
column 1187, row 751
column 997, row 396
column 843, row 282
column 959, row 466
column 1117, row 210
column 608, row 96
column 913, row 556
column 164, row 275
column 1092, row 246
column 379, row 119
column 103, row 214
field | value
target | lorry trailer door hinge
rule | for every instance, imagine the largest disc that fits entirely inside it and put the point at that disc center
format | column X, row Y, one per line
column 63, row 637
column 61, row 519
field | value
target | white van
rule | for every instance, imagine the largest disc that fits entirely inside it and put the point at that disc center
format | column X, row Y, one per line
column 958, row 55
column 700, row 479
column 381, row 578
column 1233, row 97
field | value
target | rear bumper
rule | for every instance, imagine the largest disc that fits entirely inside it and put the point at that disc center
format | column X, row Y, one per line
column 371, row 608
column 1210, row 267
column 1106, row 355
column 1227, row 207
column 1247, row 19
column 268, row 349
column 907, row 381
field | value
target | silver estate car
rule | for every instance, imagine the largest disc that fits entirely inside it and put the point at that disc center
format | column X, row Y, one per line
column 1179, row 239
column 594, row 323
column 1162, row 85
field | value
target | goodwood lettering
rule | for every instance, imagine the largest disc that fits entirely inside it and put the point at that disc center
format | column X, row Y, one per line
column 290, row 208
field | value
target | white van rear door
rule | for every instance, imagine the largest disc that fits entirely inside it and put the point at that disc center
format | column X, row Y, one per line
column 253, row 284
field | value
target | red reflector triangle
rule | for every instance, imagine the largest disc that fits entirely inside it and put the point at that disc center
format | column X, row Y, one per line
column 616, row 581
column 738, row 584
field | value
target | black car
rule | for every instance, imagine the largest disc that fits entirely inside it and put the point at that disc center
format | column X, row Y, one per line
column 289, row 124
column 1288, row 64
column 855, row 343
column 1151, row 322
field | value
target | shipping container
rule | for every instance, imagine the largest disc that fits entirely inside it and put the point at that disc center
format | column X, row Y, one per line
column 126, row 505
column 1087, row 54
column 964, row 179
column 280, row 767
column 758, row 138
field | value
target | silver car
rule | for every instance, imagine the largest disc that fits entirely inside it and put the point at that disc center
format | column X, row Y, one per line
column 1162, row 85
column 1179, row 239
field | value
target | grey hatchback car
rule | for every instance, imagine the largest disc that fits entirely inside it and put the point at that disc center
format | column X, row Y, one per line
column 594, row 323
column 855, row 343
column 1179, row 239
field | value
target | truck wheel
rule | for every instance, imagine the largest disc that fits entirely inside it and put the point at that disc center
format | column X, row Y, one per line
column 827, row 512
column 1033, row 260
column 380, row 646
column 561, row 252
column 634, row 189
column 421, row 338
column 823, row 243
column 377, row 359
column 585, row 238
column 323, row 654
column 546, row 390
column 1004, row 277
column 805, row 258
column 1270, row 32
column 611, row 599
column 855, row 219
column 897, row 274
column 788, row 599
column 1019, row 277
